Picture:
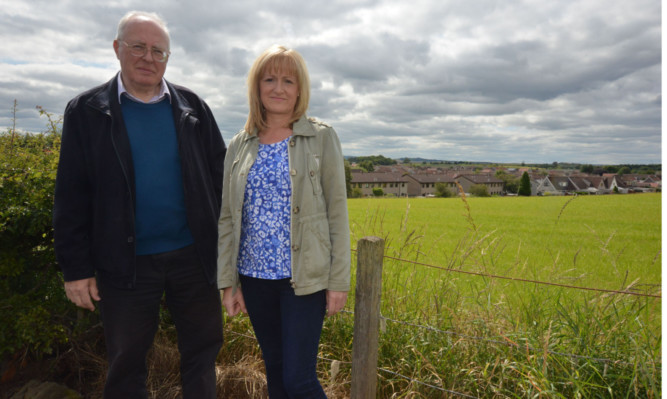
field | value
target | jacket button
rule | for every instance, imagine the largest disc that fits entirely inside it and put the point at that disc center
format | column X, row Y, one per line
column 292, row 143
column 295, row 247
column 130, row 239
column 312, row 173
column 292, row 172
column 296, row 210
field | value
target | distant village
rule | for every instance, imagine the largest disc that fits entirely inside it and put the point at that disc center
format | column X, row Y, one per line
column 413, row 180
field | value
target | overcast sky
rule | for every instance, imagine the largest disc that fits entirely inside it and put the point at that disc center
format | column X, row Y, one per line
column 500, row 81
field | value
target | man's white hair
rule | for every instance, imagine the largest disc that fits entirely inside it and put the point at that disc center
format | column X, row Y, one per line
column 122, row 24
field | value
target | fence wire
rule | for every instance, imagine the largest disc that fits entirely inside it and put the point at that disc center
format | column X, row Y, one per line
column 504, row 342
column 523, row 280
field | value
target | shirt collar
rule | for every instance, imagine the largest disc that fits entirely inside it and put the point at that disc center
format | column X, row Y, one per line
column 164, row 91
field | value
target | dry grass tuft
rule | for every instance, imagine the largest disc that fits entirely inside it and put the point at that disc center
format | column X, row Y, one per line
column 243, row 379
column 84, row 369
column 164, row 376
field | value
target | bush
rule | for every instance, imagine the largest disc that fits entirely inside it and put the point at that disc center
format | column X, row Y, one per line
column 378, row 192
column 442, row 191
column 356, row 193
column 479, row 190
column 35, row 311
column 510, row 182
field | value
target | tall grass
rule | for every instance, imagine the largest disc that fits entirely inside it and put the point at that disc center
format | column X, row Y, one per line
column 486, row 337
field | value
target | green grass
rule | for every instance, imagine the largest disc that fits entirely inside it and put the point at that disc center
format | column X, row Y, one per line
column 487, row 337
column 603, row 241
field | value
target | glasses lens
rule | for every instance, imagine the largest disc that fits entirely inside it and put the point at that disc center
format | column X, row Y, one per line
column 159, row 55
column 137, row 50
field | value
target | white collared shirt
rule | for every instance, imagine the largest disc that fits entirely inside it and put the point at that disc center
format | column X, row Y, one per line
column 164, row 91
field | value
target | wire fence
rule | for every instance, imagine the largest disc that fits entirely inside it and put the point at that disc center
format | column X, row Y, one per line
column 501, row 340
column 504, row 340
column 523, row 280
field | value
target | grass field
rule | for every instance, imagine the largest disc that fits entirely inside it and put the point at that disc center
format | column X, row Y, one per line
column 487, row 337
column 601, row 241
column 449, row 334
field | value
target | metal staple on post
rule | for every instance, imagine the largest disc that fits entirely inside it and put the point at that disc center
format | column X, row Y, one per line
column 370, row 252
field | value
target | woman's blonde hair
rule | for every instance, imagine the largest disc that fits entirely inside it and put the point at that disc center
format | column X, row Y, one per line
column 276, row 59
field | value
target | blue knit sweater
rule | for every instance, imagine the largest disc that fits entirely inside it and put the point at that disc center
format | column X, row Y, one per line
column 160, row 219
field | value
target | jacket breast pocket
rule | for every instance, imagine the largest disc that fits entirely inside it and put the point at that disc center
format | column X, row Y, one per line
column 314, row 173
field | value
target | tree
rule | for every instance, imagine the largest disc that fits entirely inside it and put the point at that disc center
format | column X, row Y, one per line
column 479, row 190
column 442, row 191
column 348, row 179
column 524, row 185
column 624, row 170
column 587, row 169
column 511, row 182
column 646, row 170
column 367, row 165
column 375, row 160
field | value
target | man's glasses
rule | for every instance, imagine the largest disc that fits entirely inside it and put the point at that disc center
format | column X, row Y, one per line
column 139, row 50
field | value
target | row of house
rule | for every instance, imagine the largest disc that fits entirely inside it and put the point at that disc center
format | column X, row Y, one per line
column 401, row 182
column 415, row 185
column 605, row 184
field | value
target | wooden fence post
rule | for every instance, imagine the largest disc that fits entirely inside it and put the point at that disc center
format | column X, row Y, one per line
column 370, row 251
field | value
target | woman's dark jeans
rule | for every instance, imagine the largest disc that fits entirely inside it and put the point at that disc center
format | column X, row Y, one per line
column 288, row 329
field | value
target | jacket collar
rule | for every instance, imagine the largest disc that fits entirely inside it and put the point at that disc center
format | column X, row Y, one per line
column 179, row 102
column 302, row 127
column 102, row 100
column 164, row 91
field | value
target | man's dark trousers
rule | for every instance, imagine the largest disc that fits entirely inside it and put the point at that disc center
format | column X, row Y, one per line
column 131, row 317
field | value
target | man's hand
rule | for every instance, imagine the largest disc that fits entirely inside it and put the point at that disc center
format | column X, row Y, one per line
column 233, row 303
column 83, row 292
column 335, row 301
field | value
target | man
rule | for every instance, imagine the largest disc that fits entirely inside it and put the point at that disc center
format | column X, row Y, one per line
column 137, row 201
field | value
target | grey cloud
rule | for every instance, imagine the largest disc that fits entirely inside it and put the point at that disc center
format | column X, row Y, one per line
column 576, row 81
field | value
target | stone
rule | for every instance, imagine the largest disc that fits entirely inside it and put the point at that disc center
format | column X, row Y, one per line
column 45, row 390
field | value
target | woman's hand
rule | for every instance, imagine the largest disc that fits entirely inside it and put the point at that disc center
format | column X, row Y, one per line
column 233, row 303
column 335, row 301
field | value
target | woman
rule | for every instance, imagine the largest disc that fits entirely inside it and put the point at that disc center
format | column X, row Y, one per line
column 284, row 239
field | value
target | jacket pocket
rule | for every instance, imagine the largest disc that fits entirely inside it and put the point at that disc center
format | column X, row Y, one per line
column 314, row 252
column 314, row 173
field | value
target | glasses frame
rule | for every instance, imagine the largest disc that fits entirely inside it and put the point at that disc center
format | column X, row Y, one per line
column 164, row 55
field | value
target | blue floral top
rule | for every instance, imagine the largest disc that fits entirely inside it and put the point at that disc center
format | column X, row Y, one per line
column 265, row 225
